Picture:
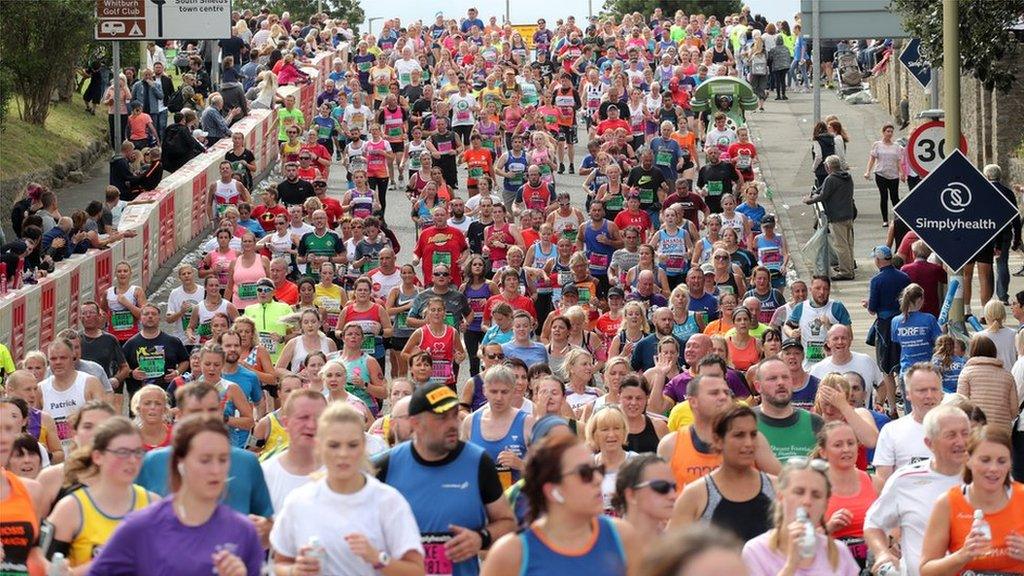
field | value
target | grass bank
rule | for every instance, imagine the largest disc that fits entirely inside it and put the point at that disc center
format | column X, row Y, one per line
column 26, row 148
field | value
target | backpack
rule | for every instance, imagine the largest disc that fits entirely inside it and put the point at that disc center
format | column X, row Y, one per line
column 759, row 65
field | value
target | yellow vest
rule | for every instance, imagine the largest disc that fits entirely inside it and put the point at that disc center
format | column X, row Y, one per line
column 97, row 526
column 277, row 438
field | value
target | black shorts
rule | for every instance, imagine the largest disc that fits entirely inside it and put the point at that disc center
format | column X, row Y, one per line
column 396, row 343
column 568, row 134
column 986, row 255
column 827, row 55
column 397, row 146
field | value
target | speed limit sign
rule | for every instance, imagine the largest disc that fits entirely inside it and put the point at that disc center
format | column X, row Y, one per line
column 926, row 148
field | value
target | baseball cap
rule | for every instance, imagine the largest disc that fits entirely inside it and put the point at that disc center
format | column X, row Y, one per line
column 437, row 398
column 570, row 287
column 882, row 252
column 792, row 343
column 545, row 425
column 768, row 219
column 616, row 291
column 707, row 268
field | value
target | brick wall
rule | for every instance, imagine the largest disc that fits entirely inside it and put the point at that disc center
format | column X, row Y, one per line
column 992, row 122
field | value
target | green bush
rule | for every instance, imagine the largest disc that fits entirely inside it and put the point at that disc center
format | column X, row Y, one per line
column 6, row 93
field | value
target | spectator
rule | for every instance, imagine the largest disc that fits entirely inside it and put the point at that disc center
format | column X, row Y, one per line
column 179, row 146
column 121, row 172
column 214, row 123
column 836, row 194
column 986, row 382
column 931, row 277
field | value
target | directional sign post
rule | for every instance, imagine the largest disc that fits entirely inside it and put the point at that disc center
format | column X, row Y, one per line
column 163, row 19
column 918, row 67
column 956, row 211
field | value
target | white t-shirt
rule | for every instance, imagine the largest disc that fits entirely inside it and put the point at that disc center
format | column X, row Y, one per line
column 861, row 364
column 404, row 69
column 377, row 511
column 383, row 283
column 461, row 226
column 375, row 445
column 174, row 303
column 462, row 109
column 281, row 482
column 474, row 202
column 1006, row 350
column 300, row 231
column 906, row 502
column 901, row 442
column 356, row 117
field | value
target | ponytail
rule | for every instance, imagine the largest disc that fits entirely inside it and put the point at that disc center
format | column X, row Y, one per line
column 912, row 293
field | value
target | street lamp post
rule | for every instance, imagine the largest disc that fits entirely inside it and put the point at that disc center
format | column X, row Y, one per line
column 369, row 23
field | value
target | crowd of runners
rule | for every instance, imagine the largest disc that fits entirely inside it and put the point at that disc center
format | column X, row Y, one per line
column 626, row 378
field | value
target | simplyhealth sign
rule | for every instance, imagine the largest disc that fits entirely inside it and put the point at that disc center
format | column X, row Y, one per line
column 956, row 211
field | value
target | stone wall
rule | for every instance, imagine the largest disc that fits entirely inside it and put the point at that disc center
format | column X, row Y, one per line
column 992, row 122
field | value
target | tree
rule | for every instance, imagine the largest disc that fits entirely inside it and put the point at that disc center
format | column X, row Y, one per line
column 720, row 8
column 986, row 38
column 40, row 45
column 303, row 9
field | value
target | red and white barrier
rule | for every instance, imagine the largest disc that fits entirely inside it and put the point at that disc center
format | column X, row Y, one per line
column 176, row 212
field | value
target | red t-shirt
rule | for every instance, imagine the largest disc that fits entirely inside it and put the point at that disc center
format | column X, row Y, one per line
column 530, row 237
column 518, row 303
column 333, row 208
column 691, row 203
column 929, row 276
column 606, row 125
column 287, row 292
column 441, row 245
column 640, row 219
column 734, row 150
column 265, row 216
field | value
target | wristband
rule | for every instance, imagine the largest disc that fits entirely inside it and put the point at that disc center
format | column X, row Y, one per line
column 485, row 538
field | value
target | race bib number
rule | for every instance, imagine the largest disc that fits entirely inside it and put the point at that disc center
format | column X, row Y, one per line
column 269, row 341
column 444, row 146
column 462, row 116
column 597, row 260
column 743, row 161
column 395, row 131
column 815, row 351
column 402, row 321
column 151, row 360
column 663, row 158
column 441, row 371
column 585, row 294
column 370, row 265
column 247, row 291
column 646, row 196
column 675, row 265
column 435, row 556
column 122, row 320
column 476, row 172
column 477, row 306
column 615, row 203
column 715, row 188
column 771, row 258
column 364, row 66
column 369, row 345
column 405, row 78
column 550, row 119
column 441, row 258
column 449, row 319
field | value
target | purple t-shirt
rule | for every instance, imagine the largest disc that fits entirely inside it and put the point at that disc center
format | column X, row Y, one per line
column 153, row 542
column 676, row 387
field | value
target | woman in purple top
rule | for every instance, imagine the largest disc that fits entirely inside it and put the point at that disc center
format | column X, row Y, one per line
column 190, row 532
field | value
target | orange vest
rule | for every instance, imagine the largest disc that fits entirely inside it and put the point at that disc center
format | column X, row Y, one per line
column 688, row 463
column 1008, row 519
column 19, row 528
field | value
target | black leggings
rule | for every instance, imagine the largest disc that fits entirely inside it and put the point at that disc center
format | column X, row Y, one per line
column 381, row 186
column 780, row 82
column 473, row 338
column 888, row 191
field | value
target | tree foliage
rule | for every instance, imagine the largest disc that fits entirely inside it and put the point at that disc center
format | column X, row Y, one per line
column 303, row 9
column 720, row 8
column 986, row 42
column 40, row 45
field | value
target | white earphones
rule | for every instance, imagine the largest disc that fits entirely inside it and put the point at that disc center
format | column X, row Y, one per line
column 556, row 495
column 181, row 468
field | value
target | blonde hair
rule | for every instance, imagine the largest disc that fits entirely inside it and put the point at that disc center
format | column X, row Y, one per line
column 835, row 381
column 137, row 398
column 644, row 325
column 573, row 355
column 778, row 514
column 35, row 355
column 607, row 414
column 345, row 413
column 995, row 314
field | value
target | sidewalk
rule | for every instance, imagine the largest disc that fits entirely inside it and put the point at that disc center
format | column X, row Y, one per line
column 78, row 196
column 782, row 134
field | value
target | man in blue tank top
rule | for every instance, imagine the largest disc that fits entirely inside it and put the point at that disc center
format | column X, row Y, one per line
column 452, row 487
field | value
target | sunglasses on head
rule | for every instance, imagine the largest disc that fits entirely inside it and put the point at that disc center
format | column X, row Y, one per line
column 586, row 472
column 662, row 487
column 803, row 462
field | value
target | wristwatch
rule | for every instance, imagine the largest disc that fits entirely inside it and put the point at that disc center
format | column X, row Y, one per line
column 383, row 559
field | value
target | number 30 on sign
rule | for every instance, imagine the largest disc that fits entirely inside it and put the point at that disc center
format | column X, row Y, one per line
column 926, row 148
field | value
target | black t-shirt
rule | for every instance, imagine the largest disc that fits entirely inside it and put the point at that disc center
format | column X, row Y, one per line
column 602, row 111
column 412, row 93
column 648, row 182
column 232, row 47
column 722, row 173
column 449, row 136
column 290, row 193
column 487, row 474
column 475, row 236
column 156, row 356
column 239, row 164
column 104, row 350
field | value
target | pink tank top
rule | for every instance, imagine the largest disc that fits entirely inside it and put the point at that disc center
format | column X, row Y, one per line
column 221, row 262
column 245, row 279
column 376, row 162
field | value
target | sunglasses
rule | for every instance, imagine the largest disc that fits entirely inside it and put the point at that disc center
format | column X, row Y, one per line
column 803, row 462
column 586, row 472
column 264, row 290
column 498, row 356
column 442, row 273
column 662, row 487
column 721, row 257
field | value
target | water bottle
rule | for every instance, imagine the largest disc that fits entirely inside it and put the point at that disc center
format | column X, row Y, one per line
column 316, row 550
column 808, row 542
column 980, row 525
column 58, row 565
column 889, row 569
